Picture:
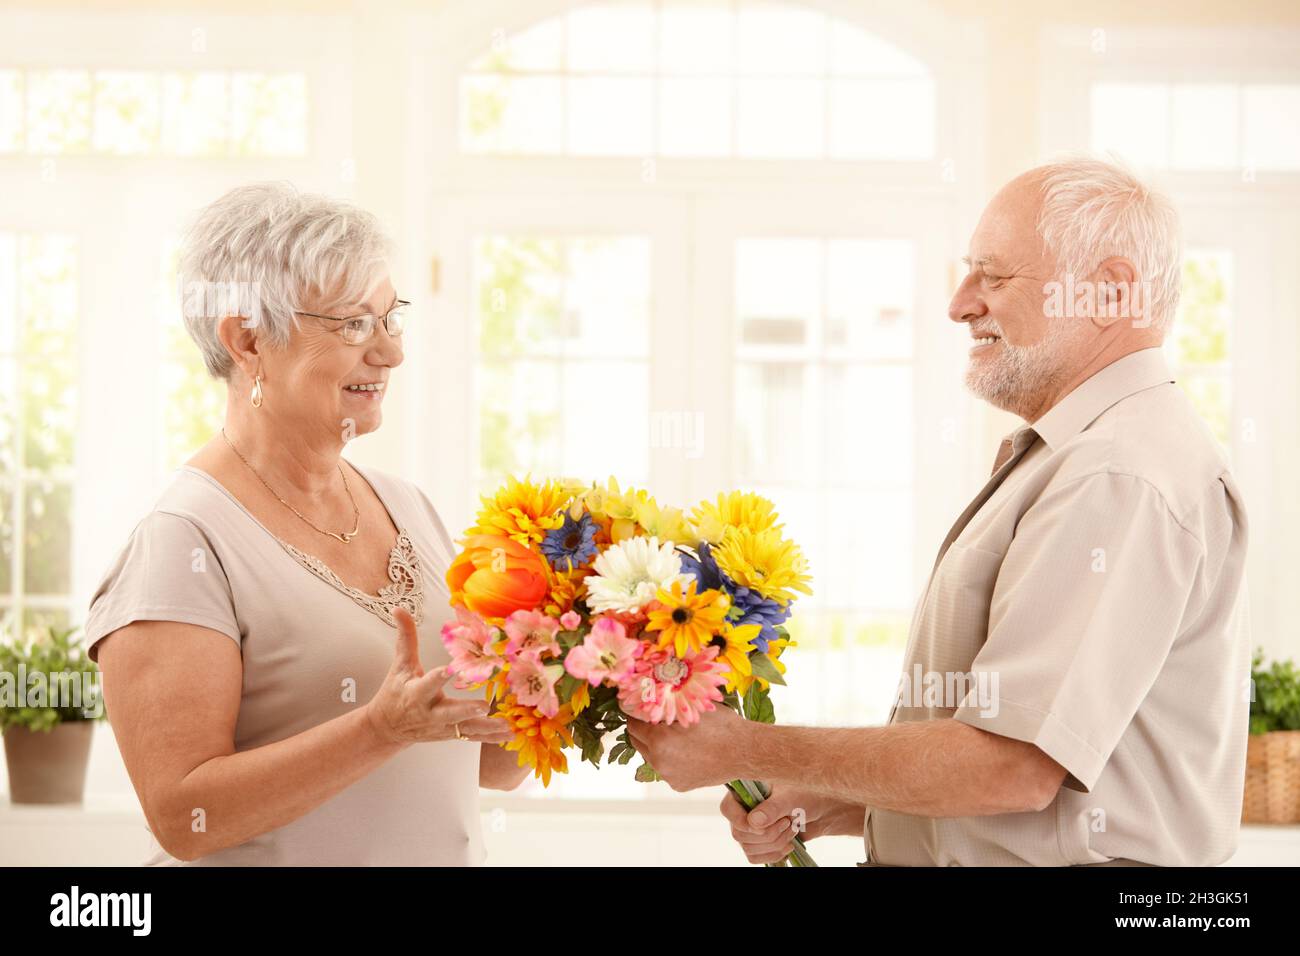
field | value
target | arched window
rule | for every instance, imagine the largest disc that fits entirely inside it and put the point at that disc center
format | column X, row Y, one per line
column 716, row 79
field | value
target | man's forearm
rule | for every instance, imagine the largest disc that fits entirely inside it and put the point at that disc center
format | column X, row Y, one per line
column 940, row 768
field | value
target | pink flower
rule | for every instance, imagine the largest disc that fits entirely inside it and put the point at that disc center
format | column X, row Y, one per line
column 531, row 631
column 663, row 688
column 533, row 683
column 607, row 653
column 570, row 620
column 469, row 641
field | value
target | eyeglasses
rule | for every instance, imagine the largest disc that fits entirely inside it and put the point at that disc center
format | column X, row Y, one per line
column 357, row 329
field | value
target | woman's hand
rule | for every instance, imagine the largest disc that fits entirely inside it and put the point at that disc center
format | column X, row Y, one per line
column 410, row 707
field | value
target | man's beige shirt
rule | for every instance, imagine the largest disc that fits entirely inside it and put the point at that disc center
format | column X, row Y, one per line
column 1091, row 601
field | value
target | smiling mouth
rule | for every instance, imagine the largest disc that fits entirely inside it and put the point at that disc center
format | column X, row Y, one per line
column 983, row 341
column 368, row 389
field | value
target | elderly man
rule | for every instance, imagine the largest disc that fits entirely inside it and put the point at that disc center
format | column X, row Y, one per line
column 1081, row 641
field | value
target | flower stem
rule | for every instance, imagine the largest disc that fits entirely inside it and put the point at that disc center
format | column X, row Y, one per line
column 751, row 793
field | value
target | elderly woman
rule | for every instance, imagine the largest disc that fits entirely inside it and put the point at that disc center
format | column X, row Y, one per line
column 269, row 636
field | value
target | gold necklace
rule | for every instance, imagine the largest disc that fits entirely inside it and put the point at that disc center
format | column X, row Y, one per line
column 344, row 536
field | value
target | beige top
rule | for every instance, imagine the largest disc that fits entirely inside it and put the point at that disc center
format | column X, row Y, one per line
column 1091, row 600
column 201, row 558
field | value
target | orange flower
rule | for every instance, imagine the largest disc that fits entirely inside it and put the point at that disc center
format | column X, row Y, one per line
column 495, row 576
column 539, row 739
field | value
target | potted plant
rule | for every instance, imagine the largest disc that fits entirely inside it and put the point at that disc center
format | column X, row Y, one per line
column 49, row 702
column 1273, row 752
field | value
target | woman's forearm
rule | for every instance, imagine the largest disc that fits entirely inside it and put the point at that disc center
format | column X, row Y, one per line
column 499, row 768
column 228, row 800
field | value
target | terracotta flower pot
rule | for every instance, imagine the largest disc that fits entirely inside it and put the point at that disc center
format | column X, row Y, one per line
column 48, row 767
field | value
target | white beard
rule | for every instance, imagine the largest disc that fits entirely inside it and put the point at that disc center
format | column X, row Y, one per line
column 1019, row 378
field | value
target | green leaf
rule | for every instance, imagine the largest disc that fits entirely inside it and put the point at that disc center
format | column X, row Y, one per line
column 764, row 668
column 646, row 774
column 758, row 705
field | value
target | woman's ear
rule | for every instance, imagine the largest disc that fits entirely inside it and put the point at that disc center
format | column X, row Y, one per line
column 240, row 340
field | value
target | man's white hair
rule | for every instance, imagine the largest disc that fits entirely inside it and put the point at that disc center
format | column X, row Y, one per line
column 1093, row 209
column 267, row 249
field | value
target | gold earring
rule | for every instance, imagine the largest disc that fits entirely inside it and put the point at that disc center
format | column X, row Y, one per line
column 257, row 392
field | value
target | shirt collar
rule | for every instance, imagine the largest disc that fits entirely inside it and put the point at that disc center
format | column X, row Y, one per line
column 1126, row 376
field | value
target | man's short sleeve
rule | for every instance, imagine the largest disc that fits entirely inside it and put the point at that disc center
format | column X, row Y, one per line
column 1087, row 603
column 168, row 571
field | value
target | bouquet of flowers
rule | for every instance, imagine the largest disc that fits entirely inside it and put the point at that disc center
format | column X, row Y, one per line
column 578, row 607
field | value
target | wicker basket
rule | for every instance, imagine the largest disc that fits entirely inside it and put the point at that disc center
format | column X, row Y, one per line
column 1272, row 778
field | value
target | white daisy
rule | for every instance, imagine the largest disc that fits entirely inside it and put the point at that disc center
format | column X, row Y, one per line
column 630, row 573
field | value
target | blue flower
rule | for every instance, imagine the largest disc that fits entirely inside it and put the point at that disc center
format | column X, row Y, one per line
column 572, row 544
column 756, row 609
column 705, row 570
column 750, row 606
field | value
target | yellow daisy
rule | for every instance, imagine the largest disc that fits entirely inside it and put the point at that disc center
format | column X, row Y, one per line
column 687, row 621
column 735, row 644
column 735, row 509
column 763, row 561
column 524, row 510
column 539, row 740
column 774, row 648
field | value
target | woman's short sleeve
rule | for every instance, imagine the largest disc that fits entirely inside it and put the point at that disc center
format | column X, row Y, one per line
column 168, row 571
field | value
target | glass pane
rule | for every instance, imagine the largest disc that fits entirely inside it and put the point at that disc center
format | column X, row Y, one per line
column 1204, row 127
column 127, row 112
column 868, row 559
column 520, row 284
column 1200, row 332
column 870, row 288
column 778, row 290
column 269, row 114
column 612, row 38
column 47, row 294
column 195, row 404
column 779, row 38
column 6, row 538
column 519, row 419
column 512, row 114
column 539, row 48
column 196, row 114
column 49, row 405
column 47, row 538
column 844, row 673
column 1272, row 126
column 604, row 438
column 607, row 297
column 40, row 620
column 869, row 425
column 8, row 293
column 694, row 117
column 610, row 116
column 855, row 52
column 11, row 111
column 58, row 111
column 882, row 119
column 1212, row 400
column 1132, row 119
column 781, row 117
column 9, row 410
column 695, row 36
column 773, row 429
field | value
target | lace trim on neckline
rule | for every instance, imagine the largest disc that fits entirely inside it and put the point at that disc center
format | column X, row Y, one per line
column 406, row 591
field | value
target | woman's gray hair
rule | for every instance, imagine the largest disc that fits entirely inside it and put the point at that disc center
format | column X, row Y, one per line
column 264, row 250
column 1093, row 209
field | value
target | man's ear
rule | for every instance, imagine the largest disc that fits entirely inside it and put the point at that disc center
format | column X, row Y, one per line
column 240, row 340
column 1119, row 295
